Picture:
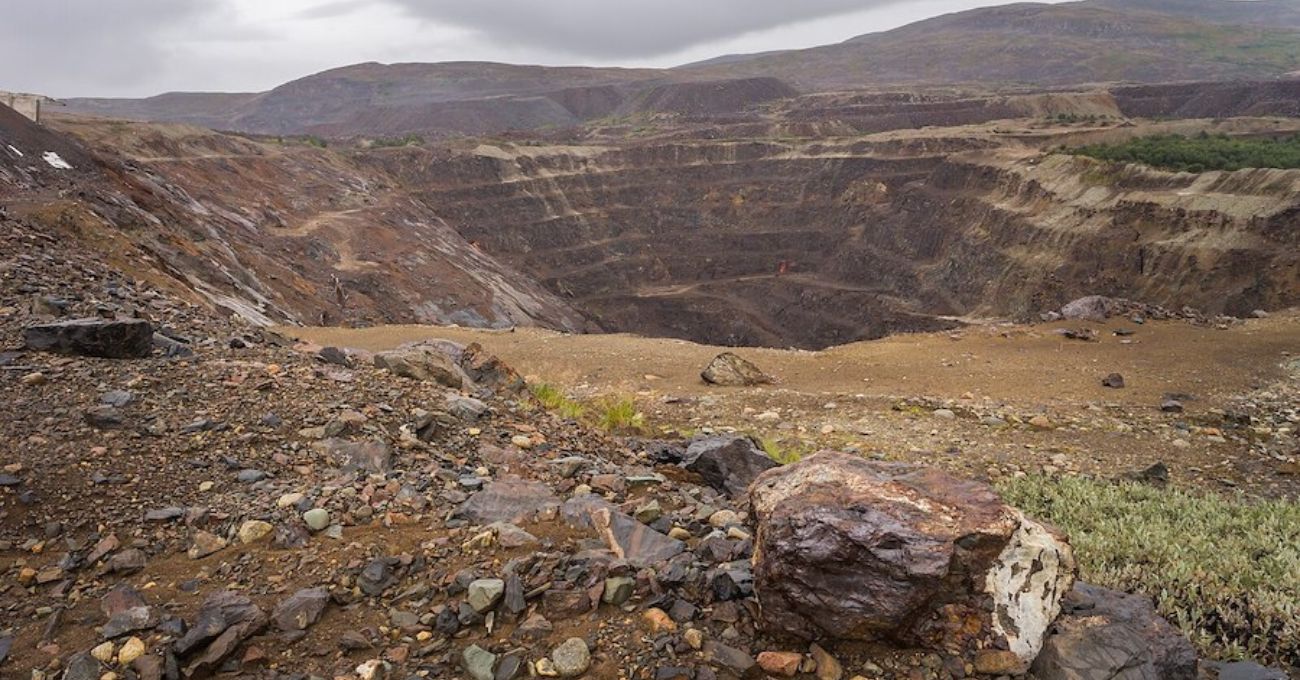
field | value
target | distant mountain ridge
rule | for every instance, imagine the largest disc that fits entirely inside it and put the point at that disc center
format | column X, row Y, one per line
column 1025, row 44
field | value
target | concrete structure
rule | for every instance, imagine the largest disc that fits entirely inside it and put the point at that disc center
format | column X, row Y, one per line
column 30, row 105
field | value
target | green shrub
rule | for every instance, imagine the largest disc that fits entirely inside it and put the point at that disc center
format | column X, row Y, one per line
column 554, row 399
column 1226, row 570
column 1201, row 153
column 619, row 414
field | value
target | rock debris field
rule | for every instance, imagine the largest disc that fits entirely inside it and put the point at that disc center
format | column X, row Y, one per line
column 183, row 496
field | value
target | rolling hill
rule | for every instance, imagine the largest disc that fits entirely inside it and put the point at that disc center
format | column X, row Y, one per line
column 1027, row 44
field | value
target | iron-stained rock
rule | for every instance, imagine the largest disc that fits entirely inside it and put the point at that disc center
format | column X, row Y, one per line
column 853, row 549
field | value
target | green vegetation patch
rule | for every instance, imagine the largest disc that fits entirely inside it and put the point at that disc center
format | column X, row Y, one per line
column 1225, row 570
column 555, row 400
column 1201, row 153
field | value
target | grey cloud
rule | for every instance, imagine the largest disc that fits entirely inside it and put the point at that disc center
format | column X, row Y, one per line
column 623, row 28
column 85, row 46
column 334, row 9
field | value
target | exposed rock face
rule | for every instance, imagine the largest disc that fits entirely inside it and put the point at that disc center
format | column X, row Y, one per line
column 111, row 339
column 729, row 370
column 728, row 464
column 852, row 549
column 1107, row 635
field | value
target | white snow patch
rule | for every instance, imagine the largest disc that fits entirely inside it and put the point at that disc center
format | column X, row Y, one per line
column 15, row 151
column 56, row 161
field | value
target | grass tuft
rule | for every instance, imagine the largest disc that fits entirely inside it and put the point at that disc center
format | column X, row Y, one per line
column 619, row 414
column 1225, row 570
column 554, row 399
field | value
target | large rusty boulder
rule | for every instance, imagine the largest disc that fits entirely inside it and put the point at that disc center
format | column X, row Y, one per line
column 107, row 338
column 730, row 370
column 851, row 549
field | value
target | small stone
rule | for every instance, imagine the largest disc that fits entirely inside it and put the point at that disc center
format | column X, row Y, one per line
column 104, row 652
column 694, row 637
column 546, row 668
column 522, row 442
column 648, row 513
column 478, row 662
column 34, row 379
column 945, row 414
column 371, row 670
column 724, row 518
column 485, row 593
column 206, row 487
column 1114, row 381
column 289, row 500
column 828, row 667
column 1040, row 423
column 316, row 519
column 618, row 590
column 131, row 650
column 572, row 658
column 659, row 621
column 679, row 534
column 1171, row 406
column 205, row 544
column 783, row 664
column 998, row 662
column 254, row 530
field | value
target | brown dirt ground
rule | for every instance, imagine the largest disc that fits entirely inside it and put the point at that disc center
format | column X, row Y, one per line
column 849, row 396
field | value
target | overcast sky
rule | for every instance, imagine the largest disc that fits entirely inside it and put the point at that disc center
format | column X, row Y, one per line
column 133, row 48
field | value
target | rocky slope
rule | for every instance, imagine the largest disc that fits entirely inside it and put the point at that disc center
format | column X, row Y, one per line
column 227, row 505
column 268, row 231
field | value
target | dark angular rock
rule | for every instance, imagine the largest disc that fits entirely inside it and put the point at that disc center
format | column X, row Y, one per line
column 848, row 548
column 81, row 666
column 109, row 339
column 730, row 658
column 6, row 644
column 505, row 500
column 1244, row 670
column 729, row 370
column 377, row 577
column 1114, row 381
column 128, row 561
column 222, row 611
column 1103, row 634
column 104, row 417
column 301, row 610
column 728, row 464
